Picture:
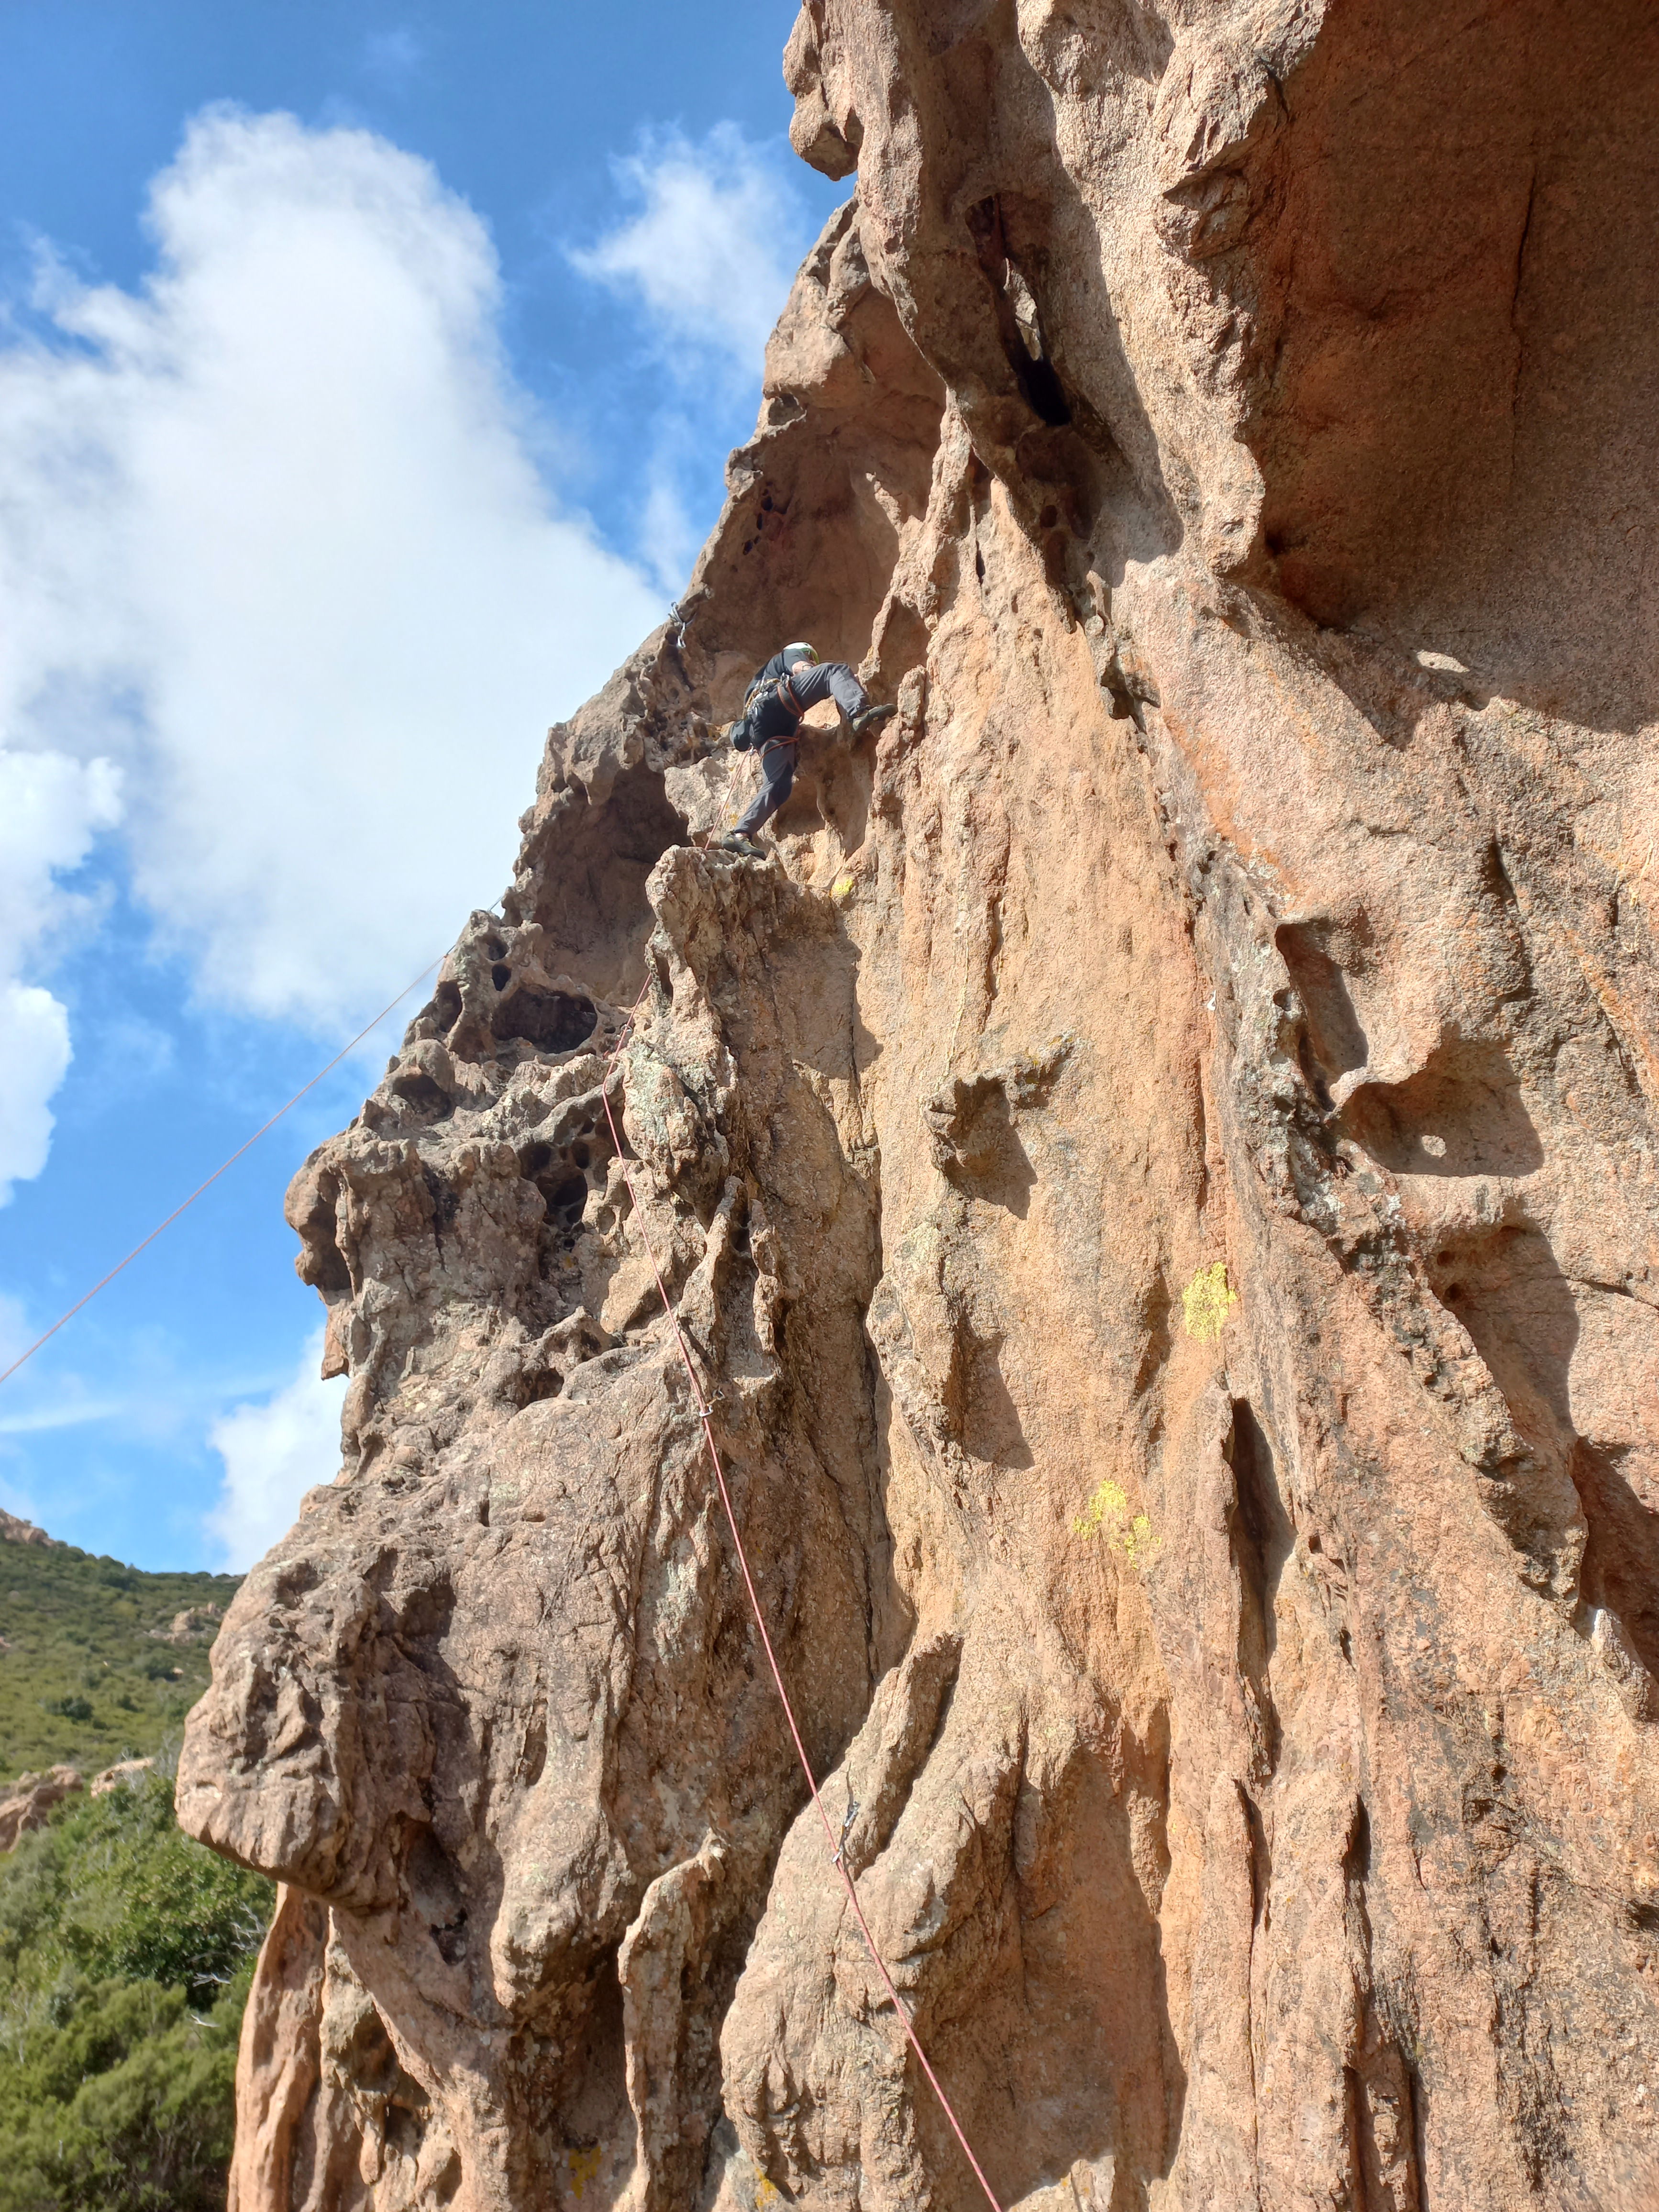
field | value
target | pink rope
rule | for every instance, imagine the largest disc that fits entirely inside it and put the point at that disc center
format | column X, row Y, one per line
column 707, row 1418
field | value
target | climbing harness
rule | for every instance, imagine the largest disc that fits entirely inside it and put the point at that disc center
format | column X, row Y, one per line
column 837, row 1846
column 777, row 690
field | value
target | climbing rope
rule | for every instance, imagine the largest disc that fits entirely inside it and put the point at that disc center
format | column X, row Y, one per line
column 705, row 1416
column 104, row 1281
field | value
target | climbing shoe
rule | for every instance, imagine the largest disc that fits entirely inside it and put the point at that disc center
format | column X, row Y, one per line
column 746, row 846
column 872, row 718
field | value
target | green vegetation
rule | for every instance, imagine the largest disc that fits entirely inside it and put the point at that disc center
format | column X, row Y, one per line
column 83, row 1679
column 126, row 1951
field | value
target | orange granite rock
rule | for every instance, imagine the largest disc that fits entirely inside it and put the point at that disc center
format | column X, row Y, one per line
column 1158, row 1173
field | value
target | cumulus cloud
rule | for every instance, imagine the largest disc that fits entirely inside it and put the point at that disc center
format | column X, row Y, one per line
column 51, row 808
column 710, row 248
column 275, row 540
column 273, row 1453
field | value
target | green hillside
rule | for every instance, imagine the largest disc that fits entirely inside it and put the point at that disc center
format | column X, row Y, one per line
column 124, row 1956
column 83, row 1680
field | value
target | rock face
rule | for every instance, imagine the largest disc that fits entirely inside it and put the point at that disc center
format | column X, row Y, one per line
column 14, row 1531
column 195, row 1624
column 1158, row 1177
column 32, row 1797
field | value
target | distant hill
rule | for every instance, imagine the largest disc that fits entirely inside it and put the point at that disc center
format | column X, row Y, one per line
column 98, row 1660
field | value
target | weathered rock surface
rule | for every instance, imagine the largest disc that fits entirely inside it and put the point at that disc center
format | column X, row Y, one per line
column 30, row 1798
column 125, row 1774
column 15, row 1531
column 195, row 1624
column 1158, row 1177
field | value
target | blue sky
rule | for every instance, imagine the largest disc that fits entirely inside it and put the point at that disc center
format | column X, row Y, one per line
column 366, row 378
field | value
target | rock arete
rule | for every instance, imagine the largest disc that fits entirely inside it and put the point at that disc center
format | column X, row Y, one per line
column 1158, row 1177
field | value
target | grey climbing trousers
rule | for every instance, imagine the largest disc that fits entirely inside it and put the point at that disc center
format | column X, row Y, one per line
column 827, row 679
column 777, row 781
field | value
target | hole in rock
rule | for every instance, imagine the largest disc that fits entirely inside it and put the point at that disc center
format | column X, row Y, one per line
column 566, row 1200
column 1621, row 1558
column 593, row 2112
column 1334, row 1036
column 580, row 1154
column 590, row 872
column 535, row 1387
column 371, row 2064
column 552, row 1021
column 1017, row 319
column 1044, row 393
column 1461, row 1115
column 1262, row 1535
column 494, row 949
column 417, row 1089
column 1358, row 1864
column 501, row 975
column 435, row 1894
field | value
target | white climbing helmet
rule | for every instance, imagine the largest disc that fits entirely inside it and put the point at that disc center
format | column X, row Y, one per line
column 799, row 655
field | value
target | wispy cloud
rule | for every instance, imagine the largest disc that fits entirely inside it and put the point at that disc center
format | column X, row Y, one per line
column 709, row 247
column 395, row 55
column 703, row 253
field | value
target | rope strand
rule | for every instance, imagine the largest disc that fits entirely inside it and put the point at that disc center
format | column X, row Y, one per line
column 706, row 1419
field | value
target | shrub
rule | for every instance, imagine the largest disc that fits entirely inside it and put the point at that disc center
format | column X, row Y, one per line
column 117, row 2099
column 126, row 1956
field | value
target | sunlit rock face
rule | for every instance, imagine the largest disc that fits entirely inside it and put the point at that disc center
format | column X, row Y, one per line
column 1157, row 1176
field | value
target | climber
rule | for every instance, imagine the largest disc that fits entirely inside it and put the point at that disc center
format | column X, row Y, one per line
column 791, row 682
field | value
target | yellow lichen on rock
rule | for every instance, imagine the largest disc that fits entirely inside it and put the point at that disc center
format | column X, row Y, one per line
column 1107, row 1514
column 1206, row 1301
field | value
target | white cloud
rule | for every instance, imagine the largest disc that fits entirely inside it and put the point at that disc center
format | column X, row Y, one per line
column 273, row 1453
column 274, row 537
column 51, row 808
column 711, row 247
column 34, row 1057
